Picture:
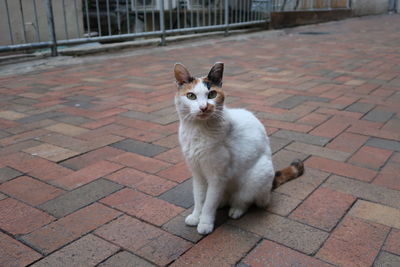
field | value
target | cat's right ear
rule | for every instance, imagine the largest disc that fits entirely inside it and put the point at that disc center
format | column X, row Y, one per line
column 182, row 75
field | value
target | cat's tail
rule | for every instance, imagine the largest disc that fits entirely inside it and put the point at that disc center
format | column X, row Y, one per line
column 295, row 170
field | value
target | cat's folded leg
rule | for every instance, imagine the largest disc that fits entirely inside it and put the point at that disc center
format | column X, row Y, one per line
column 199, row 193
column 214, row 195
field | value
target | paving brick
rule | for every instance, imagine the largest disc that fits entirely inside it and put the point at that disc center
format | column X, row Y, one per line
column 18, row 218
column 41, row 116
column 177, row 226
column 281, row 204
column 14, row 253
column 277, row 143
column 7, row 173
column 383, row 143
column 125, row 259
column 360, row 107
column 302, row 137
column 392, row 243
column 170, row 141
column 313, row 119
column 147, row 183
column 272, row 254
column 59, row 233
column 387, row 259
column 283, row 158
column 14, row 139
column 294, row 101
column 300, row 188
column 153, row 210
column 347, row 142
column 139, row 162
column 376, row 213
column 79, row 198
column 177, row 173
column 11, row 115
column 318, row 151
column 354, row 243
column 86, row 251
column 378, row 115
column 87, row 174
column 30, row 190
column 147, row 241
column 51, row 152
column 286, row 125
column 370, row 157
column 331, row 128
column 66, row 129
column 224, row 247
column 138, row 147
column 341, row 168
column 181, row 195
column 323, row 208
column 91, row 157
column 282, row 230
column 365, row 191
column 2, row 196
column 172, row 156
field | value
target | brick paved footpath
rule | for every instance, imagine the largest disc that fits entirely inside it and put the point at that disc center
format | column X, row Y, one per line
column 91, row 172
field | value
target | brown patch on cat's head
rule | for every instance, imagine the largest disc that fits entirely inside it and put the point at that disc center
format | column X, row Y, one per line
column 187, row 87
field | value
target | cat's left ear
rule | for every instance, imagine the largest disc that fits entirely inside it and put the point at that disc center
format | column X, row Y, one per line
column 215, row 74
column 182, row 75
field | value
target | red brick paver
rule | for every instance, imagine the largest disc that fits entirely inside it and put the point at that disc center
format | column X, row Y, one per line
column 91, row 172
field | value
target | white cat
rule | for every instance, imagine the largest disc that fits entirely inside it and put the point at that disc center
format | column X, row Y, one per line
column 226, row 149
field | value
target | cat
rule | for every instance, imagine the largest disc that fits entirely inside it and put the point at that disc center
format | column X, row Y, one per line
column 226, row 149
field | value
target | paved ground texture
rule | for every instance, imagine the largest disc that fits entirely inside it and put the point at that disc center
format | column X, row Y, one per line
column 91, row 171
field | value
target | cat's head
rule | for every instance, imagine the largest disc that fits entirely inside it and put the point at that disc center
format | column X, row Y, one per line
column 199, row 98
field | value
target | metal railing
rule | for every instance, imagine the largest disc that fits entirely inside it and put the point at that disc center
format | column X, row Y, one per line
column 35, row 24
column 24, row 24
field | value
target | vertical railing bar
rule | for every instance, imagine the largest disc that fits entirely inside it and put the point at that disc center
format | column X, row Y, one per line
column 118, row 17
column 185, row 15
column 128, row 23
column 215, row 9
column 65, row 19
column 226, row 18
column 198, row 14
column 144, row 16
column 170, row 14
column 178, row 15
column 136, row 17
column 221, row 12
column 76, row 19
column 51, row 28
column 87, row 18
column 153, row 20
column 23, row 20
column 98, row 18
column 203, row 9
column 209, row 12
column 162, row 25
column 36, row 21
column 108, row 17
column 9, row 23
column 191, row 12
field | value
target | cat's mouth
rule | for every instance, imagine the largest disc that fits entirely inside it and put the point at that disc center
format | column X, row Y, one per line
column 204, row 116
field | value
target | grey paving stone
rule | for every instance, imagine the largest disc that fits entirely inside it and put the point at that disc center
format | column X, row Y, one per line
column 294, row 101
column 378, row 115
column 82, row 98
column 383, row 143
column 365, row 191
column 360, row 107
column 42, row 116
column 281, row 204
column 181, row 195
column 7, row 173
column 302, row 137
column 277, row 143
column 2, row 196
column 3, row 134
column 25, row 101
column 138, row 147
column 74, row 120
column 79, row 104
column 284, row 158
column 139, row 115
column 295, row 235
column 178, row 227
column 386, row 259
column 80, row 197
column 125, row 259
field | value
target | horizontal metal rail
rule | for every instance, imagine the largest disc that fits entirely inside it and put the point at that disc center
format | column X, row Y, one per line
column 75, row 22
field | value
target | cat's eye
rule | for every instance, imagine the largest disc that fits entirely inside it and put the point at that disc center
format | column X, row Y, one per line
column 212, row 94
column 191, row 96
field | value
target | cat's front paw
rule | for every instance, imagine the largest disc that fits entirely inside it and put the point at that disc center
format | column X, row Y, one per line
column 192, row 220
column 205, row 228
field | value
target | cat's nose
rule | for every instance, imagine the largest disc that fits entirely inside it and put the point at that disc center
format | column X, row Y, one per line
column 203, row 109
